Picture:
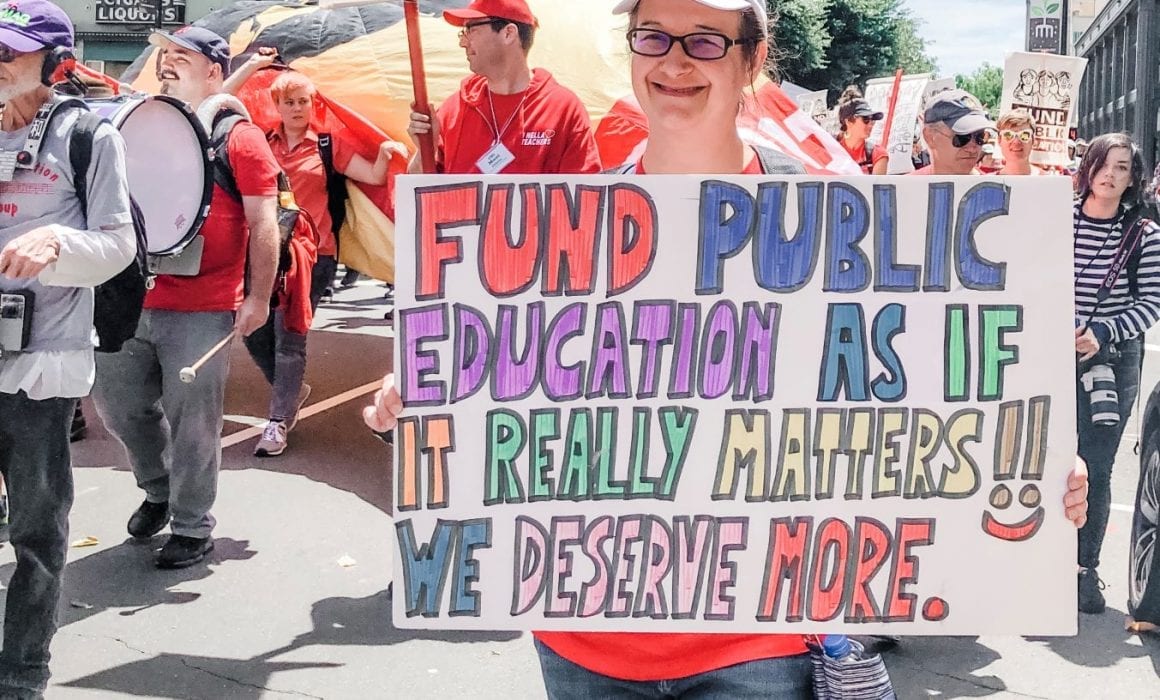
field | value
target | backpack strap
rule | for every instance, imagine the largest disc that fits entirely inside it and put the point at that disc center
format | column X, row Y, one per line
column 335, row 184
column 623, row 169
column 777, row 163
column 1136, row 255
column 223, row 173
column 80, row 154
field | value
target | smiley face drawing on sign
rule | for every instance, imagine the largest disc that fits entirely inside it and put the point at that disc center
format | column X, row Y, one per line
column 1008, row 439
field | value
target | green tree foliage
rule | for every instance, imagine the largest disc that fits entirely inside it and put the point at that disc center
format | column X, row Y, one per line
column 834, row 43
column 986, row 83
column 800, row 37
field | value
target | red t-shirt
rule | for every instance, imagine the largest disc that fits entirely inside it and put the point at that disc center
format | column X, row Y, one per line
column 928, row 170
column 218, row 286
column 545, row 127
column 637, row 656
column 753, row 167
column 303, row 165
column 859, row 156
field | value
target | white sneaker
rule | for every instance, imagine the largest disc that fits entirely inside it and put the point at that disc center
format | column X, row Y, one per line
column 303, row 394
column 273, row 442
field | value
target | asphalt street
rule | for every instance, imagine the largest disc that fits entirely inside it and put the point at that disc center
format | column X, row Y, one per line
column 295, row 601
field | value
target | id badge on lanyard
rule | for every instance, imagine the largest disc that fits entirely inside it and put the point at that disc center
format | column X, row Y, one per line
column 495, row 159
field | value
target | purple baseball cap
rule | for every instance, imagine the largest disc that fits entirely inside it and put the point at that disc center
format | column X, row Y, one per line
column 32, row 25
column 197, row 39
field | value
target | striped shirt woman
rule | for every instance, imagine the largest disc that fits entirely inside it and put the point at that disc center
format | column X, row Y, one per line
column 1121, row 316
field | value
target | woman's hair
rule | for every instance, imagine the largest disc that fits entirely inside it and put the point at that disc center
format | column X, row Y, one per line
column 1097, row 155
column 288, row 82
column 850, row 94
column 1015, row 119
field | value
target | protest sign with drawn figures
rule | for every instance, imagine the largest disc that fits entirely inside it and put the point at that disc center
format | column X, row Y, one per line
column 734, row 404
column 813, row 103
column 1046, row 85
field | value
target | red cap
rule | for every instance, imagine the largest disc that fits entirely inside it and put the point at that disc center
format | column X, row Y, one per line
column 511, row 10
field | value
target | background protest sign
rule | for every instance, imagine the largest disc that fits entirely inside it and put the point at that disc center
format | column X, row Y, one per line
column 678, row 403
column 813, row 103
column 900, row 142
column 1047, row 85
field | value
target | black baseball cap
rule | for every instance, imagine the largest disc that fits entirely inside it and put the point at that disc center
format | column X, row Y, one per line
column 857, row 108
column 197, row 39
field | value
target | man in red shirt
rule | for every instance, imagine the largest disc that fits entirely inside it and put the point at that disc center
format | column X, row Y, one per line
column 507, row 117
column 171, row 430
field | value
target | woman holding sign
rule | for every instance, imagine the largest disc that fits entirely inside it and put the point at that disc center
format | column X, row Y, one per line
column 693, row 62
column 1112, row 313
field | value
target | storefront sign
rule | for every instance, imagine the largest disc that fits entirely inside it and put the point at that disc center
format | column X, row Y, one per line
column 139, row 11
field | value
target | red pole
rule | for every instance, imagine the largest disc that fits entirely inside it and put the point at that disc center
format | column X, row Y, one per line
column 890, row 110
column 419, row 80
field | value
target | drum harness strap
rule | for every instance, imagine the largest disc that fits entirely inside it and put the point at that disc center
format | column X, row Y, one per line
column 26, row 158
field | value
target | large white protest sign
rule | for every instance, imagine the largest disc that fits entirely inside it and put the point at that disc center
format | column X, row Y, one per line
column 1047, row 85
column 680, row 403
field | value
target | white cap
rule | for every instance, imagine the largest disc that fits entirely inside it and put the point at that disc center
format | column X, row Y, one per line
column 758, row 7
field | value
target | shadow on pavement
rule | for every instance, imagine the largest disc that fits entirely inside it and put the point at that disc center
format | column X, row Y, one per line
column 98, row 582
column 336, row 622
column 1103, row 642
column 941, row 667
column 332, row 447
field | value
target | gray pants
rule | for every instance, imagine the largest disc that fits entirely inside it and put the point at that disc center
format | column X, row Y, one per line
column 171, row 430
column 35, row 462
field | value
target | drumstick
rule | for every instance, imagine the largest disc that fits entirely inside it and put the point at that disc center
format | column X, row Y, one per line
column 188, row 374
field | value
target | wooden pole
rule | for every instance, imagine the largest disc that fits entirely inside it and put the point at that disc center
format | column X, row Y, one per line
column 890, row 110
column 419, row 80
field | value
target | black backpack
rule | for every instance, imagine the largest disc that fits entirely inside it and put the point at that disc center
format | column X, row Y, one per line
column 291, row 220
column 223, row 174
column 117, row 302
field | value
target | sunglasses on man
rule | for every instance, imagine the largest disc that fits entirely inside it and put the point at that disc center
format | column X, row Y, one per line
column 702, row 46
column 961, row 140
column 9, row 54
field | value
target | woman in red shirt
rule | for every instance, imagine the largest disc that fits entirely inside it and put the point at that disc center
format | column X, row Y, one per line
column 280, row 353
column 857, row 118
column 692, row 62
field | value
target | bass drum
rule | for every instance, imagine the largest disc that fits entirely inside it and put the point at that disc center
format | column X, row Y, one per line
column 167, row 157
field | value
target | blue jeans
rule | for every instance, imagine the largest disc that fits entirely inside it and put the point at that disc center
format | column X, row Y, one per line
column 1098, row 445
column 785, row 677
column 37, row 465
